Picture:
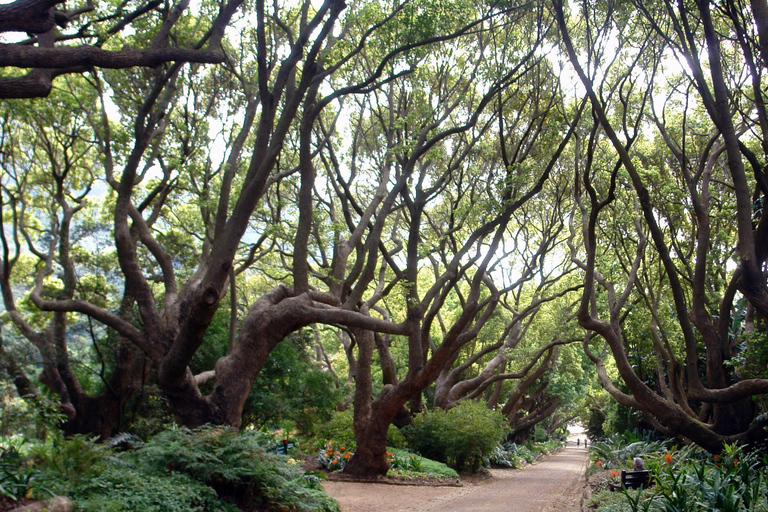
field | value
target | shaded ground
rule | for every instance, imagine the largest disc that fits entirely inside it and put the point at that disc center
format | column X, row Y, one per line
column 553, row 484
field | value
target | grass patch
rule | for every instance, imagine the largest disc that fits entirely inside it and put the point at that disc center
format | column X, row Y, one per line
column 427, row 468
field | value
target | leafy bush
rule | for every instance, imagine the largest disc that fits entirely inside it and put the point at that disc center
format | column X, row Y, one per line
column 339, row 429
column 209, row 469
column 124, row 487
column 401, row 460
column 18, row 479
column 511, row 455
column 237, row 466
column 503, row 458
column 291, row 389
column 461, row 437
column 618, row 451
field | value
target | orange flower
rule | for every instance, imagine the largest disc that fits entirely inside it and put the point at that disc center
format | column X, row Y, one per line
column 614, row 474
column 599, row 463
column 668, row 458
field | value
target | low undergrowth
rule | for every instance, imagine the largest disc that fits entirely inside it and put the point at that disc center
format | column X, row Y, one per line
column 511, row 455
column 179, row 470
column 685, row 480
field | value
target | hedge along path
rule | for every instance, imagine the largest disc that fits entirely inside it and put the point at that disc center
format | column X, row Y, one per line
column 553, row 484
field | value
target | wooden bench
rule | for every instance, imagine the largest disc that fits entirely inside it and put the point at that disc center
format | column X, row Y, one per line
column 633, row 480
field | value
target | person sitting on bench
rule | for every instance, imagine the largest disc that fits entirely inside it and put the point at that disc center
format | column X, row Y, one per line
column 635, row 479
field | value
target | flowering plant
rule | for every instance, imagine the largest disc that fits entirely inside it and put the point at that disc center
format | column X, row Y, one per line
column 334, row 456
column 405, row 462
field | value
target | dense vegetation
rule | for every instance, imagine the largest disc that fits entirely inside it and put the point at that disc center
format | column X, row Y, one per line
column 683, row 478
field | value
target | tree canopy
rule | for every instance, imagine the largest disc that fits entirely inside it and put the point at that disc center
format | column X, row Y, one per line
column 496, row 201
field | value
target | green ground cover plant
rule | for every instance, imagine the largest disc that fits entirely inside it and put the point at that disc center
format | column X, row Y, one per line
column 210, row 469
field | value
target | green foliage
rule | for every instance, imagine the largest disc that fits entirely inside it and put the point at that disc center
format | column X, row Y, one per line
column 289, row 387
column 17, row 478
column 30, row 417
column 512, row 455
column 237, row 466
column 97, row 478
column 209, row 469
column 339, row 429
column 403, row 461
column 607, row 501
column 433, row 467
column 618, row 451
column 462, row 436
column 595, row 424
column 691, row 480
column 124, row 487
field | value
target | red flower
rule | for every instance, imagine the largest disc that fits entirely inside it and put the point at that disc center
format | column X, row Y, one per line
column 735, row 462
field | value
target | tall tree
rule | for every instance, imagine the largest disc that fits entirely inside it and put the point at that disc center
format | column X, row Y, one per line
column 443, row 157
column 699, row 395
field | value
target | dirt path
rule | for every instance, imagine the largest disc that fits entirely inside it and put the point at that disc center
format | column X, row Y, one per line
column 553, row 484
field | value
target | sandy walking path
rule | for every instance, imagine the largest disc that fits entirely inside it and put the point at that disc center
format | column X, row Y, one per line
column 553, row 484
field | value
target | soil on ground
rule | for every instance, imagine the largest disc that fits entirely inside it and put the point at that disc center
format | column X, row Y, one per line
column 552, row 484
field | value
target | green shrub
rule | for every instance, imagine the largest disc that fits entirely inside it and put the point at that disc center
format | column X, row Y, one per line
column 123, row 487
column 339, row 429
column 607, row 501
column 209, row 469
column 238, row 467
column 501, row 457
column 17, row 478
column 461, row 437
column 513, row 455
column 401, row 460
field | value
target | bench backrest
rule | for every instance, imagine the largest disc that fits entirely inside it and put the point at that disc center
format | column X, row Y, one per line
column 635, row 479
